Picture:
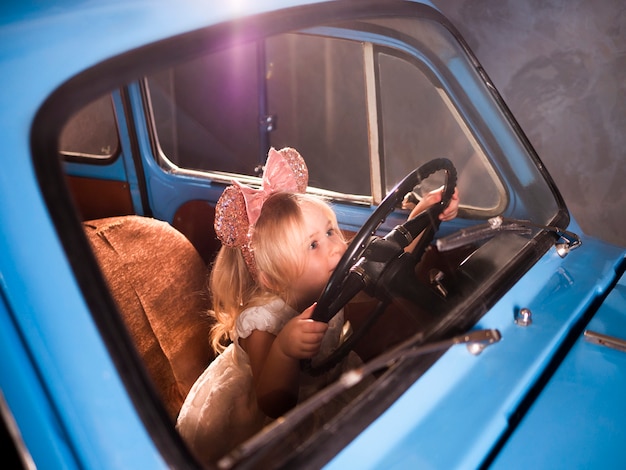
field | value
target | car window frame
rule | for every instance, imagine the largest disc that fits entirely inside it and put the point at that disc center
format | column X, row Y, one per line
column 374, row 44
column 223, row 177
column 107, row 76
column 77, row 156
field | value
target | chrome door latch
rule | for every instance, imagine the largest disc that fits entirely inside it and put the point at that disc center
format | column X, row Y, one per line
column 605, row 340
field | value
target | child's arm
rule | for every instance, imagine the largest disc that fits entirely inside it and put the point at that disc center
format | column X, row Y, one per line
column 275, row 361
column 434, row 197
column 427, row 201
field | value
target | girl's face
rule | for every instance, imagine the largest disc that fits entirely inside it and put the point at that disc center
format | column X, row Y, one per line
column 324, row 248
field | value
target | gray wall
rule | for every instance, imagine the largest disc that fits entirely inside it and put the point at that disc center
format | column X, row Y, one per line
column 560, row 65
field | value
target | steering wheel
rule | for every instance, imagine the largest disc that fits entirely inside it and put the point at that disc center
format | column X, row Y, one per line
column 367, row 256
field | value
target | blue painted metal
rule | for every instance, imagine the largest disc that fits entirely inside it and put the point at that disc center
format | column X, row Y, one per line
column 128, row 157
column 67, row 397
column 468, row 400
column 22, row 388
column 114, row 170
column 578, row 420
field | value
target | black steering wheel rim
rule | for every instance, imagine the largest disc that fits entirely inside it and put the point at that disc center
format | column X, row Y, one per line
column 359, row 243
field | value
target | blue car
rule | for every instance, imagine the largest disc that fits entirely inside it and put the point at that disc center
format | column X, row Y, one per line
column 499, row 343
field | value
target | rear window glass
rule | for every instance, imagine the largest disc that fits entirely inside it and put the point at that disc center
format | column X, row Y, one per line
column 91, row 133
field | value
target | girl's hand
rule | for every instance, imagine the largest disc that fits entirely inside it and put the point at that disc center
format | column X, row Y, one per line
column 301, row 337
column 433, row 197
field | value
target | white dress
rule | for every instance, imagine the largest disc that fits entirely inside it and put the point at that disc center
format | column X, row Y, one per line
column 221, row 410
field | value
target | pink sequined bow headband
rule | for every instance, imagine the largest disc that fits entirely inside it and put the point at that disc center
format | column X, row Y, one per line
column 239, row 206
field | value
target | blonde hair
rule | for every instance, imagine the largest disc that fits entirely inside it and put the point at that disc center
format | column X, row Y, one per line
column 278, row 241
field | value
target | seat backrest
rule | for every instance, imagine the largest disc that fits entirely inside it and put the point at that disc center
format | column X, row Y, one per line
column 158, row 280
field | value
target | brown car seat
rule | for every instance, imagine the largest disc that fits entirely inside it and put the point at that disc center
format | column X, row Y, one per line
column 158, row 280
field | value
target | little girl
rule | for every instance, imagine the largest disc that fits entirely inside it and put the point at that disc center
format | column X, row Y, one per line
column 279, row 248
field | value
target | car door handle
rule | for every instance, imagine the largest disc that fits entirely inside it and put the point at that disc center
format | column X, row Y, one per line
column 605, row 340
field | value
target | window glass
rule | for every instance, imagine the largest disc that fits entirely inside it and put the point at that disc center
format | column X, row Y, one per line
column 205, row 111
column 316, row 90
column 420, row 123
column 209, row 113
column 92, row 132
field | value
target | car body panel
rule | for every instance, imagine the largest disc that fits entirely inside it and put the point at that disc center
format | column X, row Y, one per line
column 581, row 406
column 62, row 385
column 470, row 399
